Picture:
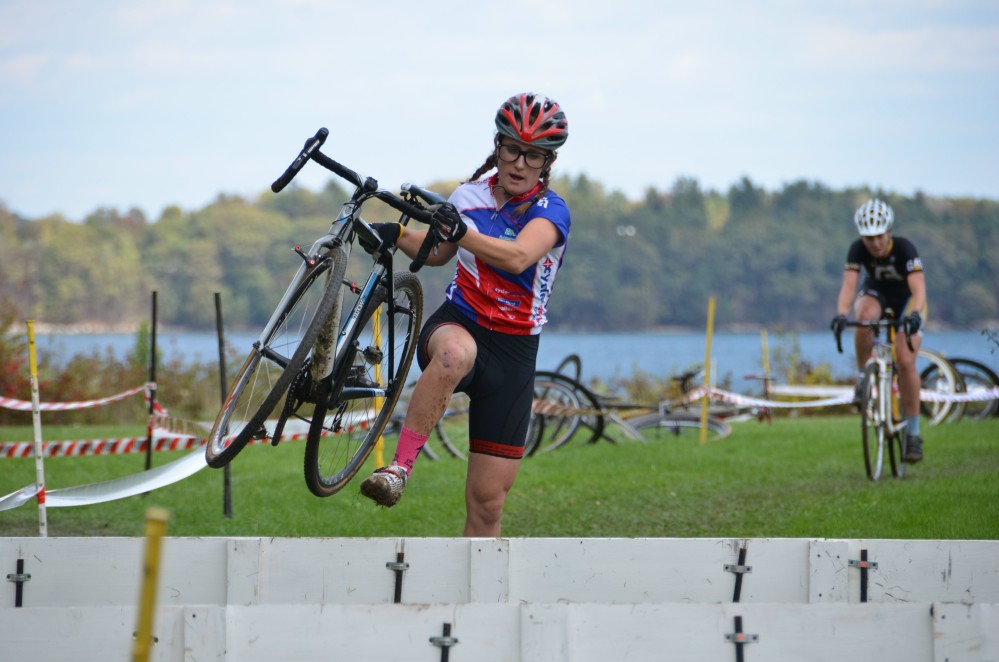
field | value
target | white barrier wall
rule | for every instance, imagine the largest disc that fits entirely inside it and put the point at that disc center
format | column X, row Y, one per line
column 532, row 599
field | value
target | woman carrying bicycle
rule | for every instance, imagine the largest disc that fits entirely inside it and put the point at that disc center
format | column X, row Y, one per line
column 893, row 284
column 509, row 232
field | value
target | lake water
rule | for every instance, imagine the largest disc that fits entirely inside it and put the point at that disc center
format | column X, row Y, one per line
column 604, row 355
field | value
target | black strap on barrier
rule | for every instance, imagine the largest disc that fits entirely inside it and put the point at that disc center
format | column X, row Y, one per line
column 740, row 639
column 19, row 578
column 444, row 642
column 739, row 569
column 399, row 566
column 864, row 566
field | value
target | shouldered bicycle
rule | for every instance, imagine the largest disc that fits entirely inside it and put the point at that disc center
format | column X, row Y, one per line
column 334, row 356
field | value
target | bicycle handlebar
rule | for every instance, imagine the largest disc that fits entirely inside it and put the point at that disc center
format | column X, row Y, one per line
column 876, row 325
column 367, row 185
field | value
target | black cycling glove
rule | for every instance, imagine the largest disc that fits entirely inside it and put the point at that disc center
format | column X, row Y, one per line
column 447, row 224
column 838, row 324
column 912, row 322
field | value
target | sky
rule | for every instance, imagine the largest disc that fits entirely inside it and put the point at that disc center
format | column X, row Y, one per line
column 153, row 103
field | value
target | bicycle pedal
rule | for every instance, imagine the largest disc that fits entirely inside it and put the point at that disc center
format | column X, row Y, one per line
column 373, row 355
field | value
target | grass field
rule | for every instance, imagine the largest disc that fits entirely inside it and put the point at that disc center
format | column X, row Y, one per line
column 796, row 477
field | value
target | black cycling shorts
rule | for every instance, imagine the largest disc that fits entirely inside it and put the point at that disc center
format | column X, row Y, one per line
column 895, row 306
column 500, row 385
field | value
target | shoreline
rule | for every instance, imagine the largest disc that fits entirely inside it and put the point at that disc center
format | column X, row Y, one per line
column 101, row 328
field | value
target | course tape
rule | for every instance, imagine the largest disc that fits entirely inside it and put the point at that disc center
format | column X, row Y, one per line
column 26, row 405
column 169, row 434
column 118, row 488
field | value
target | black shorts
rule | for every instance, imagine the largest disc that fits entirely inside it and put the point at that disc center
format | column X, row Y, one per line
column 500, row 385
column 895, row 306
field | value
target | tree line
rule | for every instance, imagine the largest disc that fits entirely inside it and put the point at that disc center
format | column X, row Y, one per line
column 770, row 258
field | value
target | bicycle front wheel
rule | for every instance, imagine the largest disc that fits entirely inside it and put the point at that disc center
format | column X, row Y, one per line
column 369, row 376
column 896, row 453
column 274, row 362
column 872, row 423
column 685, row 425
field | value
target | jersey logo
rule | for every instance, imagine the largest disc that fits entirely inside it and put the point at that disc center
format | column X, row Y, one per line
column 543, row 202
column 886, row 272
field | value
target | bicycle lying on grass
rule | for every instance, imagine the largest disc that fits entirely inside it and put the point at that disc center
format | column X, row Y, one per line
column 881, row 421
column 565, row 409
column 334, row 355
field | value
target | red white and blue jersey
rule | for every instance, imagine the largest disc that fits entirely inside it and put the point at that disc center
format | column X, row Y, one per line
column 493, row 298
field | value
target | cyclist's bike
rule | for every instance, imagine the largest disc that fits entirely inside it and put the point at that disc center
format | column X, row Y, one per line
column 333, row 357
column 881, row 420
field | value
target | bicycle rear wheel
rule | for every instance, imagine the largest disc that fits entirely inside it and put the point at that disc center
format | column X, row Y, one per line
column 274, row 362
column 366, row 387
column 872, row 426
column 684, row 425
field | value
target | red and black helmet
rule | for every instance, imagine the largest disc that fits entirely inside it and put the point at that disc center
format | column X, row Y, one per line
column 534, row 119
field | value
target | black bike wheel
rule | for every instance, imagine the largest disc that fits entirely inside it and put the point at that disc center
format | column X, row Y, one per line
column 273, row 363
column 366, row 387
column 872, row 428
column 452, row 429
column 582, row 418
column 684, row 425
column 571, row 366
column 978, row 378
column 556, row 414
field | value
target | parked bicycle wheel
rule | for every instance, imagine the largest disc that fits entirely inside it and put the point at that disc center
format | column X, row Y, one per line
column 452, row 429
column 684, row 425
column 571, row 366
column 365, row 387
column 978, row 378
column 274, row 361
column 939, row 375
column 871, row 423
column 556, row 415
column 564, row 410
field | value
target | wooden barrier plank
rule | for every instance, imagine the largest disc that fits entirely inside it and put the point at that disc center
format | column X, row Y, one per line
column 565, row 632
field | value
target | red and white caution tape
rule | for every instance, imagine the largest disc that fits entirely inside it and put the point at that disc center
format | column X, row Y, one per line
column 844, row 399
column 25, row 405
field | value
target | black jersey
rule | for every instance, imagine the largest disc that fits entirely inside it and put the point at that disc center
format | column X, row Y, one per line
column 889, row 274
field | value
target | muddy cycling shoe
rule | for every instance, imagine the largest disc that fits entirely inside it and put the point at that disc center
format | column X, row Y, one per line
column 913, row 448
column 385, row 486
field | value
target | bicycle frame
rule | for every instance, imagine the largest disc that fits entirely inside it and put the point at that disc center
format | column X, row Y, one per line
column 880, row 412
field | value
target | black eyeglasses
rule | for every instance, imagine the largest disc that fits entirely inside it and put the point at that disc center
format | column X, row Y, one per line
column 510, row 153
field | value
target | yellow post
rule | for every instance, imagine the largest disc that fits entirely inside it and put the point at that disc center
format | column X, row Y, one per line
column 36, row 419
column 156, row 522
column 707, row 369
column 376, row 332
column 766, row 354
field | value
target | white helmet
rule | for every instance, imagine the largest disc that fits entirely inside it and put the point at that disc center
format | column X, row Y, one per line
column 873, row 218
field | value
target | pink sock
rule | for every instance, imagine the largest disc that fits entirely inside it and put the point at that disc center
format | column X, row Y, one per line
column 408, row 449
